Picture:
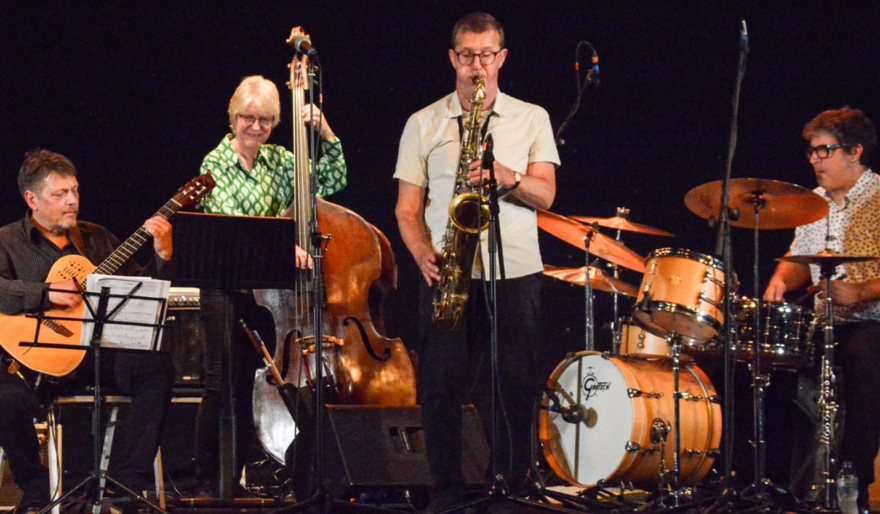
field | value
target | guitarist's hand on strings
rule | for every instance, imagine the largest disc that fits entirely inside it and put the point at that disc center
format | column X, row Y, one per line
column 60, row 299
column 160, row 229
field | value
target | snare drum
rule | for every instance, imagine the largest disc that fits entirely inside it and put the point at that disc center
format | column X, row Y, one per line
column 681, row 292
column 785, row 339
column 616, row 417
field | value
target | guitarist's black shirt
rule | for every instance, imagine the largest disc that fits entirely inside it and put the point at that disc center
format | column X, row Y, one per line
column 26, row 257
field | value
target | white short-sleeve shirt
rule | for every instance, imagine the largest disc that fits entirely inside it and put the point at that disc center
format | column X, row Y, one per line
column 429, row 152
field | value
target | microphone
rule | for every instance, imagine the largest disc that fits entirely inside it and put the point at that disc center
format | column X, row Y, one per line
column 594, row 77
column 488, row 155
column 303, row 45
column 574, row 414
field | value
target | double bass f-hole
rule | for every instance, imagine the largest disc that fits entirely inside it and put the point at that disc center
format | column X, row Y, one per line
column 365, row 339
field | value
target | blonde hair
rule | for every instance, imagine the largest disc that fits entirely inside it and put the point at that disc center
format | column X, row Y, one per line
column 259, row 91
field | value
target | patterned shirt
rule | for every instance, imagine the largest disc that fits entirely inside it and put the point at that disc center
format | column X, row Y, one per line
column 269, row 189
column 852, row 229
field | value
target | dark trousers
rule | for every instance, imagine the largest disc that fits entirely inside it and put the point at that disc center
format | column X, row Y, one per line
column 147, row 377
column 220, row 314
column 454, row 369
column 858, row 356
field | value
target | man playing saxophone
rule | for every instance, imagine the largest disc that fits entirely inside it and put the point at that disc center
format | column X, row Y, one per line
column 525, row 168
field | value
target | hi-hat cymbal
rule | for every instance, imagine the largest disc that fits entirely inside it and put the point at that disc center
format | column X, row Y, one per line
column 827, row 259
column 599, row 279
column 621, row 223
column 601, row 245
column 781, row 205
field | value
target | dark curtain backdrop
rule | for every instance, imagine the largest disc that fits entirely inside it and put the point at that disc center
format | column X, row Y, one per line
column 135, row 93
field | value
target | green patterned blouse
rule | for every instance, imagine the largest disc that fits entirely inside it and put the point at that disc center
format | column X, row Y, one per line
column 270, row 188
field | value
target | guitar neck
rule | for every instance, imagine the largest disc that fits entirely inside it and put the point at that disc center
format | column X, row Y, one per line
column 134, row 243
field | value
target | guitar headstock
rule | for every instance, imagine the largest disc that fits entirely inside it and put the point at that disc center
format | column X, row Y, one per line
column 194, row 190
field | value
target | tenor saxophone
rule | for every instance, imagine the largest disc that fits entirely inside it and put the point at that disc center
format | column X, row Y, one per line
column 468, row 216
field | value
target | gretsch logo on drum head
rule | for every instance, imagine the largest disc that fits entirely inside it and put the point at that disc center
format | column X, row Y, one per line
column 592, row 385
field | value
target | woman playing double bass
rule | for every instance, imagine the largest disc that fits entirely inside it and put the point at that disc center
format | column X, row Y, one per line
column 253, row 179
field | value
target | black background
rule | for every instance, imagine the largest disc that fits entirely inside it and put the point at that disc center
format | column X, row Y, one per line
column 135, row 94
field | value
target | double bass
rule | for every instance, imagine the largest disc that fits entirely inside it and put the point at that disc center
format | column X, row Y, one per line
column 361, row 366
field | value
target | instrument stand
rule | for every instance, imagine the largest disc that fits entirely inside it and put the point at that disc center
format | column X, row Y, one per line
column 95, row 483
column 589, row 323
column 760, row 380
column 827, row 399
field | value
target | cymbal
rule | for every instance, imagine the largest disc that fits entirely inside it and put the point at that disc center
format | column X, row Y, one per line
column 621, row 223
column 602, row 246
column 783, row 205
column 827, row 259
column 599, row 280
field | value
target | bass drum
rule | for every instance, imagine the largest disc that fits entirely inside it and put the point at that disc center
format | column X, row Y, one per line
column 613, row 421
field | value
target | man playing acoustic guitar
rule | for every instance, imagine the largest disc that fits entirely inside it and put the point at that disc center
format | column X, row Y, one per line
column 28, row 249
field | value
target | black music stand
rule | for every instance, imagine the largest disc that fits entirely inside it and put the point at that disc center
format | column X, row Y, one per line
column 96, row 481
column 231, row 253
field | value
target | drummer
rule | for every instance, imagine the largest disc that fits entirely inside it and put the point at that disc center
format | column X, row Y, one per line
column 841, row 145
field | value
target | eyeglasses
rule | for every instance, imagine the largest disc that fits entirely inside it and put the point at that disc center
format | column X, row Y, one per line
column 249, row 119
column 486, row 58
column 821, row 151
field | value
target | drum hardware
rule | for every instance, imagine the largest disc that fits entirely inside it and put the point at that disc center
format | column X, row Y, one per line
column 828, row 407
column 759, row 204
column 635, row 393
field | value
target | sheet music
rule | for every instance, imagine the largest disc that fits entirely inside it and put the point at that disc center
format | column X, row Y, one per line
column 134, row 311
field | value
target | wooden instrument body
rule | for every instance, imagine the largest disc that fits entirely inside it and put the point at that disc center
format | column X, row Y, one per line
column 22, row 328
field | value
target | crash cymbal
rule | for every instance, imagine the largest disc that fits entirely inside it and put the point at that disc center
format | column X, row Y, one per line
column 827, row 259
column 599, row 279
column 602, row 246
column 621, row 223
column 782, row 205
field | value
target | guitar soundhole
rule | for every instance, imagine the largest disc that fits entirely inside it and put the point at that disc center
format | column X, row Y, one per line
column 73, row 270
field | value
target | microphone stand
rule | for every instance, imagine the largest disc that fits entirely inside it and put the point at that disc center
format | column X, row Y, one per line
column 499, row 490
column 723, row 251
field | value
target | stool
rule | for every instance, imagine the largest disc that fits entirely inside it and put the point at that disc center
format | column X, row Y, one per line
column 114, row 402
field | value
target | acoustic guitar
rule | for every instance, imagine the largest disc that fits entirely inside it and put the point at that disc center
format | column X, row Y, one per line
column 27, row 328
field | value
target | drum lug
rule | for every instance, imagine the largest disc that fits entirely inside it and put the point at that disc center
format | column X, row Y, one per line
column 632, row 447
column 710, row 277
column 635, row 393
column 704, row 298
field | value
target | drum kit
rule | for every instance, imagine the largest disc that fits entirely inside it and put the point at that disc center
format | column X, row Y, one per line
column 645, row 415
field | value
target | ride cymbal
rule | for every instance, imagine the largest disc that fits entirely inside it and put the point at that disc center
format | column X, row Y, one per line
column 602, row 246
column 781, row 205
column 599, row 279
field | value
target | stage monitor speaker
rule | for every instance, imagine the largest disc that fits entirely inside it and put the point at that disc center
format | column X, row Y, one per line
column 373, row 448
